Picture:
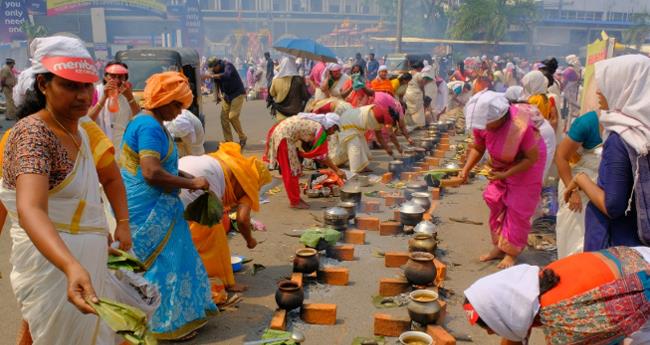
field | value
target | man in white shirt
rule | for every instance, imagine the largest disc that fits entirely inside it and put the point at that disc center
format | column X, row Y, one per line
column 188, row 134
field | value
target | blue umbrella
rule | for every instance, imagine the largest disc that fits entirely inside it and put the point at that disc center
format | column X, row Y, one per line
column 306, row 48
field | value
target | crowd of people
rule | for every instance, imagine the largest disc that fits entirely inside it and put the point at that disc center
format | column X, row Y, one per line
column 106, row 172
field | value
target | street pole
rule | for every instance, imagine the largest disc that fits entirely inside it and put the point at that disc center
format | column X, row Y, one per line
column 400, row 14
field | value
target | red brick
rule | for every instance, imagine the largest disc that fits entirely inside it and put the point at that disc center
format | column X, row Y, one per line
column 439, row 153
column 390, row 326
column 389, row 228
column 335, row 275
column 395, row 259
column 451, row 182
column 427, row 216
column 433, row 161
column 444, row 135
column 279, row 320
column 444, row 147
column 416, row 169
column 396, row 215
column 344, row 252
column 392, row 200
column 434, row 206
column 318, row 313
column 393, row 286
column 441, row 269
column 435, row 194
column 368, row 223
column 444, row 141
column 296, row 277
column 371, row 206
column 383, row 193
column 407, row 176
column 440, row 335
column 355, row 236
column 387, row 177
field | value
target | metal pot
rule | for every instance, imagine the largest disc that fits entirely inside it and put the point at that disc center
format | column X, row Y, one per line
column 426, row 227
column 313, row 193
column 351, row 193
column 423, row 243
column 420, row 153
column 420, row 269
column 422, row 199
column 289, row 295
column 337, row 218
column 360, row 180
column 425, row 143
column 424, row 307
column 408, row 159
column 414, row 187
column 410, row 214
column 396, row 167
column 350, row 207
column 452, row 166
column 306, row 261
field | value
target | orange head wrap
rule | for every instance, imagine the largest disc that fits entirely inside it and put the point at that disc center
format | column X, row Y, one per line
column 164, row 88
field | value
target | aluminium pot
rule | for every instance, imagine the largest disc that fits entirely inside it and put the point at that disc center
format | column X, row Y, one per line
column 422, row 199
column 350, row 207
column 424, row 307
column 415, row 187
column 289, row 295
column 410, row 214
column 351, row 193
column 426, row 227
column 337, row 218
column 396, row 167
column 420, row 269
column 420, row 153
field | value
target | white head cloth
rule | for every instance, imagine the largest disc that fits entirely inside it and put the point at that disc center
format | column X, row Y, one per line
column 535, row 83
column 330, row 67
column 382, row 68
column 515, row 93
column 573, row 60
column 40, row 48
column 507, row 301
column 328, row 120
column 287, row 68
column 625, row 83
column 485, row 107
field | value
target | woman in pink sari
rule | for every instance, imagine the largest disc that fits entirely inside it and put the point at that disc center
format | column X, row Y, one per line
column 517, row 155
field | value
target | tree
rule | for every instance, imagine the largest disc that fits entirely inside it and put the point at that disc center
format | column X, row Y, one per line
column 491, row 20
column 33, row 30
column 421, row 18
column 640, row 30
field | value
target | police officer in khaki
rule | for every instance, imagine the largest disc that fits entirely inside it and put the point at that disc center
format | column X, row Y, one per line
column 8, row 81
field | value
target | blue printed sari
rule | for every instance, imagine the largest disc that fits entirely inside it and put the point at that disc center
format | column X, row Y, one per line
column 161, row 237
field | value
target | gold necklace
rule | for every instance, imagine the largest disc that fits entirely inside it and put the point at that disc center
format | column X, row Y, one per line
column 65, row 130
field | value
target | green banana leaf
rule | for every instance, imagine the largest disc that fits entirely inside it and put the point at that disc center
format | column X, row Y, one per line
column 125, row 261
column 127, row 321
column 311, row 236
column 272, row 334
column 206, row 210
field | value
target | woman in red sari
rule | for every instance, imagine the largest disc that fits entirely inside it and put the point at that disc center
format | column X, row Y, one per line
column 357, row 90
column 286, row 137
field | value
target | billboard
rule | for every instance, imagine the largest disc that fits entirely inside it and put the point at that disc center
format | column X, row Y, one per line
column 601, row 49
column 12, row 16
column 55, row 7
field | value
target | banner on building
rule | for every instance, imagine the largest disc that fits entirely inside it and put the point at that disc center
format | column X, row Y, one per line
column 600, row 50
column 12, row 16
column 55, row 7
column 192, row 26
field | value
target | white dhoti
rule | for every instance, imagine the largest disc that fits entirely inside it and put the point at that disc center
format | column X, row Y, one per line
column 570, row 226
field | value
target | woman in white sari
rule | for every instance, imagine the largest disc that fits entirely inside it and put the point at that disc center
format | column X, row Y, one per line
column 350, row 144
column 54, row 163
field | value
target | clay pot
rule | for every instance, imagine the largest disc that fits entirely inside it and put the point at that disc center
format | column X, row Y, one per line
column 305, row 261
column 289, row 295
column 422, row 242
column 420, row 270
column 424, row 307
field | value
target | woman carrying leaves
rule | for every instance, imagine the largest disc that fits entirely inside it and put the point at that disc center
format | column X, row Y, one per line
column 236, row 181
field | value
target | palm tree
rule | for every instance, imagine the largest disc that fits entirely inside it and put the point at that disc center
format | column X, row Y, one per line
column 490, row 20
column 33, row 30
column 640, row 31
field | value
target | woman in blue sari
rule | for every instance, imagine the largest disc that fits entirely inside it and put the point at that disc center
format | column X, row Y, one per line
column 161, row 237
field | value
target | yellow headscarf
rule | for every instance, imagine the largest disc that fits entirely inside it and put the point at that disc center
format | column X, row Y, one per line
column 164, row 88
column 250, row 172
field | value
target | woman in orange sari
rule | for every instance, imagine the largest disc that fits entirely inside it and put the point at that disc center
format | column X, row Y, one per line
column 236, row 180
column 382, row 83
column 357, row 90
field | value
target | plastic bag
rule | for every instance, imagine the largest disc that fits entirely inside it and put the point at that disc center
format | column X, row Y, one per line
column 132, row 289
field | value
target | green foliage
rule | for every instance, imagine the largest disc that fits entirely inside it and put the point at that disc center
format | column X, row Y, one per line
column 490, row 20
column 640, row 31
column 421, row 18
column 33, row 30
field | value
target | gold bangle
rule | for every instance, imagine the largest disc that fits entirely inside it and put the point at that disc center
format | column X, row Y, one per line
column 123, row 220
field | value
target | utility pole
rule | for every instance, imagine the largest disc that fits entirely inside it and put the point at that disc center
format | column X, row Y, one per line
column 400, row 15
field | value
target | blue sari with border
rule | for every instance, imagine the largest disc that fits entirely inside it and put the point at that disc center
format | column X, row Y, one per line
column 161, row 236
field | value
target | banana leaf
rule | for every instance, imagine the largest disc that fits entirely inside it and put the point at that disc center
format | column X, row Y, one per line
column 125, row 320
column 125, row 261
column 206, row 210
column 311, row 236
column 273, row 334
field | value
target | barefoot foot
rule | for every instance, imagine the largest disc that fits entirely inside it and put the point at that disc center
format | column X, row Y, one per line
column 301, row 205
column 508, row 261
column 494, row 254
